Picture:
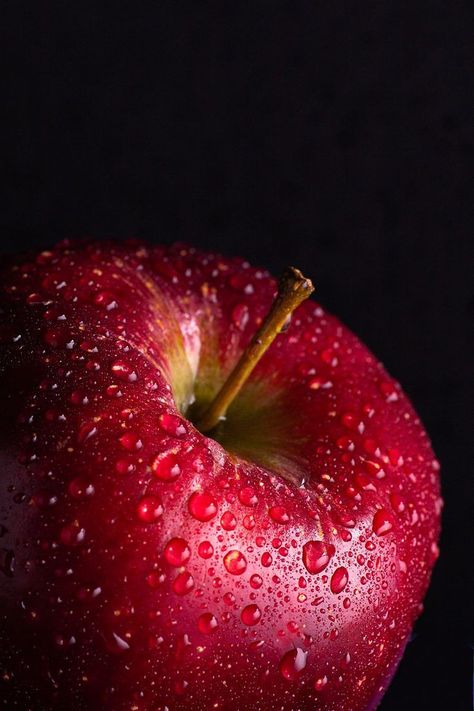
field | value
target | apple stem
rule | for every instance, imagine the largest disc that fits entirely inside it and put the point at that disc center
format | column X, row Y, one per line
column 293, row 289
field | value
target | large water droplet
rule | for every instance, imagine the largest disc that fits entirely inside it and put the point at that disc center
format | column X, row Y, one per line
column 235, row 562
column 251, row 614
column 172, row 425
column 205, row 549
column 183, row 583
column 149, row 509
column 316, row 556
column 248, row 496
column 202, row 506
column 131, row 441
column 177, row 552
column 166, row 467
column 7, row 562
column 207, row 623
column 256, row 581
column 292, row 664
column 279, row 514
column 124, row 371
column 228, row 521
column 383, row 522
column 339, row 580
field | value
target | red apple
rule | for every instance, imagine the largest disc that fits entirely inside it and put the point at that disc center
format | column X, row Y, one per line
column 277, row 562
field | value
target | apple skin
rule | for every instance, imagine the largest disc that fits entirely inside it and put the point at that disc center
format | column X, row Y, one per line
column 145, row 566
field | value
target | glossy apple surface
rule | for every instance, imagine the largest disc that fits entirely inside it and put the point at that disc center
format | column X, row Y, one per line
column 279, row 564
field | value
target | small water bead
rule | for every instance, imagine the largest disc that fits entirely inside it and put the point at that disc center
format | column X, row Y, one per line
column 256, row 581
column 279, row 514
column 155, row 579
column 240, row 316
column 172, row 425
column 177, row 552
column 80, row 488
column 79, row 397
column 73, row 534
column 205, row 550
column 339, row 580
column 207, row 623
column 124, row 371
column 251, row 615
column 350, row 420
column 229, row 598
column 106, row 299
column 131, row 441
column 235, row 562
column 86, row 431
column 248, row 496
column 320, row 683
column 124, row 466
column 202, row 506
column 397, row 503
column 266, row 559
column 364, row 482
column 228, row 521
column 249, row 522
column 292, row 664
column 115, row 644
column 346, row 603
column 316, row 556
column 7, row 562
column 150, row 509
column 113, row 391
column 183, row 583
column 383, row 522
column 166, row 467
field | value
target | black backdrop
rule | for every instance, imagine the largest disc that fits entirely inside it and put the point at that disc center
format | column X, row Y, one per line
column 335, row 136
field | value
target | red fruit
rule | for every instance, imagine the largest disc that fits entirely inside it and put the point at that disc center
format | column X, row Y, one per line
column 277, row 561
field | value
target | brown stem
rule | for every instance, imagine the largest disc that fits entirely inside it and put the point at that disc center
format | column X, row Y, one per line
column 293, row 288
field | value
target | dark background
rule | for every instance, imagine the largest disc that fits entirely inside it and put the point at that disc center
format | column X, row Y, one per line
column 335, row 136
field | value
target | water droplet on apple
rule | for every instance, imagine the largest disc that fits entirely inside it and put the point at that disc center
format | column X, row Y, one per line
column 177, row 552
column 7, row 562
column 293, row 663
column 228, row 521
column 250, row 615
column 383, row 522
column 124, row 371
column 150, row 509
column 172, row 425
column 124, row 466
column 339, row 580
column 166, row 467
column 115, row 644
column 183, row 583
column 73, row 534
column 235, row 562
column 207, row 623
column 248, row 496
column 155, row 578
column 256, row 581
column 205, row 549
column 229, row 598
column 320, row 683
column 131, row 441
column 202, row 506
column 279, row 514
column 80, row 488
column 316, row 556
column 397, row 503
column 266, row 559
